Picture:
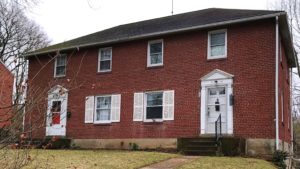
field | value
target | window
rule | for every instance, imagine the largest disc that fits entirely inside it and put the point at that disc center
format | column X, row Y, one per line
column 105, row 59
column 55, row 112
column 154, row 106
column 103, row 109
column 60, row 66
column 217, row 44
column 155, row 53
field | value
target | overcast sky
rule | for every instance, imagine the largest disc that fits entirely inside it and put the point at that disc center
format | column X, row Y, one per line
column 67, row 19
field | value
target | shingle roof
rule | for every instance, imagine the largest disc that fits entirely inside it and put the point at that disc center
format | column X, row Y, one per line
column 179, row 22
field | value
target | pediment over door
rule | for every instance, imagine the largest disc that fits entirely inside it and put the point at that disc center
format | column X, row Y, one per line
column 216, row 75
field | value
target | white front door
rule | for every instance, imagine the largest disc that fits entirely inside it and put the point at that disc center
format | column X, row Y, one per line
column 57, row 113
column 216, row 105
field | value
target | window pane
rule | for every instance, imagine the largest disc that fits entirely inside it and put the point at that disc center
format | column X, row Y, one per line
column 105, row 54
column 217, row 39
column 61, row 61
column 217, row 50
column 154, row 99
column 56, row 106
column 156, row 47
column 104, row 102
column 222, row 90
column 61, row 70
column 105, row 65
column 104, row 115
column 154, row 112
column 156, row 58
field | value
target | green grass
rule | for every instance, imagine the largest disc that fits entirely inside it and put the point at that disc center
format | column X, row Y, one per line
column 82, row 159
column 227, row 163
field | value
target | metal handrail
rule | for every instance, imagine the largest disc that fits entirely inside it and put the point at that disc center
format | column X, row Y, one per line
column 218, row 128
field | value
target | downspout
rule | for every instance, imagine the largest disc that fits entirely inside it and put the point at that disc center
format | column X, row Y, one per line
column 276, row 85
column 291, row 109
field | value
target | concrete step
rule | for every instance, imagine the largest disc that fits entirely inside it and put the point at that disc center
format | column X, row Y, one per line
column 198, row 146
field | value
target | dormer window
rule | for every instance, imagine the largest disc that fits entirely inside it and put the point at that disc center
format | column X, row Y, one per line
column 155, row 53
column 217, row 44
column 60, row 66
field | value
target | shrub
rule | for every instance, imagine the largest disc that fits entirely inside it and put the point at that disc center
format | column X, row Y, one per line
column 133, row 146
column 279, row 157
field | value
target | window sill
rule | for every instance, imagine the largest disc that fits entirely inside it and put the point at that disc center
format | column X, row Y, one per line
column 59, row 77
column 106, row 72
column 102, row 124
column 216, row 59
column 155, row 67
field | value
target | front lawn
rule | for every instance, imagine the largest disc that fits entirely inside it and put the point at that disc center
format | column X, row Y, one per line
column 82, row 159
column 228, row 163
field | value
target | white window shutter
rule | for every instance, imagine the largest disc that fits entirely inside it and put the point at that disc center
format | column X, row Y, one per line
column 115, row 107
column 168, row 105
column 138, row 107
column 89, row 109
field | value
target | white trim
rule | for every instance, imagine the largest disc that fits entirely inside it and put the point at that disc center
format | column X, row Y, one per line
column 162, row 53
column 209, row 81
column 209, row 57
column 55, row 65
column 99, row 57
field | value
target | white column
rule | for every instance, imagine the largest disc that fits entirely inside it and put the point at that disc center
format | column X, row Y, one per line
column 229, row 110
column 203, row 110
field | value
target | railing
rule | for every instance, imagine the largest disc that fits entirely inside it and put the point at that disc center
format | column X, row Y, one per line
column 218, row 128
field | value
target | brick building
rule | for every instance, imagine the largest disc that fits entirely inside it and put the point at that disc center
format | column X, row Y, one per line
column 6, row 91
column 154, row 81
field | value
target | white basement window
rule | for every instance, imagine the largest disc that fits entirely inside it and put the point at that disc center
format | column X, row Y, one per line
column 217, row 44
column 155, row 53
column 60, row 66
column 105, row 60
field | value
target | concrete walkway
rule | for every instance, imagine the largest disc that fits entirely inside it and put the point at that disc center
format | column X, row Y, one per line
column 171, row 163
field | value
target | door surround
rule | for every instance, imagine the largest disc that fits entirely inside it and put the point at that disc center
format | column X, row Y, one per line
column 214, row 79
column 57, row 93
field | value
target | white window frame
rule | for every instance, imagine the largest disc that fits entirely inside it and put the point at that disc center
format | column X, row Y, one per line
column 209, row 57
column 55, row 65
column 162, row 53
column 145, row 107
column 99, row 59
column 95, row 111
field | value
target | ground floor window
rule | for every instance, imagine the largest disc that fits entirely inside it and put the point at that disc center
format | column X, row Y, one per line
column 154, row 108
column 103, row 108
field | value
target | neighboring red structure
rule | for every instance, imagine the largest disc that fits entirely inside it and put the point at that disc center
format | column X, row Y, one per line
column 168, row 80
column 6, row 91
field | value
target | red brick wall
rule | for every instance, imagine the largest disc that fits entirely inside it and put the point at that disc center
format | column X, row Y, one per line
column 251, row 59
column 6, row 87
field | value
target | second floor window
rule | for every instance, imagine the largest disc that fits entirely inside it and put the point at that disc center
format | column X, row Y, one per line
column 217, row 44
column 105, row 59
column 155, row 53
column 60, row 66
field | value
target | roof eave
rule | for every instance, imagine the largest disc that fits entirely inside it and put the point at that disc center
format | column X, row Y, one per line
column 160, row 33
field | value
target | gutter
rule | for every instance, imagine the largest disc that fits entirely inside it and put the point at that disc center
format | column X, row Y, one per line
column 276, row 83
column 163, row 33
